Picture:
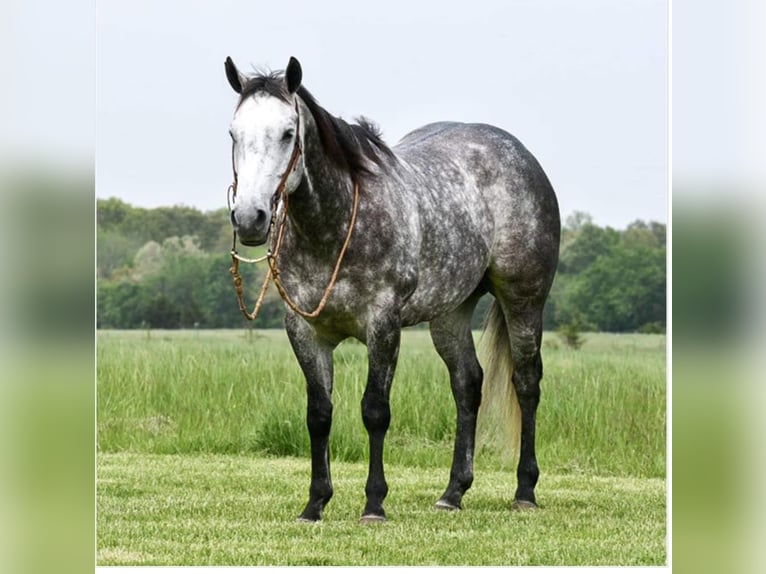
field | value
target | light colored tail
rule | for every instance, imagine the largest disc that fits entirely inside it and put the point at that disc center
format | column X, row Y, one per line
column 499, row 421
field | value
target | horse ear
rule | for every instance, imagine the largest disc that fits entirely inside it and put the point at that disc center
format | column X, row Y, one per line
column 293, row 75
column 232, row 74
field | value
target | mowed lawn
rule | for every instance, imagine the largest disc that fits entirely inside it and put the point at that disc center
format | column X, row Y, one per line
column 203, row 458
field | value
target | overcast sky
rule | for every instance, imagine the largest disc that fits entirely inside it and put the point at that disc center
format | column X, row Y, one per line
column 583, row 84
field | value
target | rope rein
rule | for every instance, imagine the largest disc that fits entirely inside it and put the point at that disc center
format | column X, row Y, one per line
column 273, row 273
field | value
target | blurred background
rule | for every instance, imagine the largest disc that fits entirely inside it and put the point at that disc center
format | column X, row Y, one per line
column 47, row 389
column 47, row 302
column 718, row 271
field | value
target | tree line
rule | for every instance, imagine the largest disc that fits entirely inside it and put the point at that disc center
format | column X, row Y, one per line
column 168, row 268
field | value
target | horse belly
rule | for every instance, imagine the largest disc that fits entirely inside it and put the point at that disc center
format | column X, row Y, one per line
column 446, row 278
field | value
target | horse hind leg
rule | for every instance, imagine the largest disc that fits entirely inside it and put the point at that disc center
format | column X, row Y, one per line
column 523, row 316
column 453, row 340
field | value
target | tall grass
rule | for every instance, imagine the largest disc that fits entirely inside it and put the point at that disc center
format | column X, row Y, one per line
column 602, row 410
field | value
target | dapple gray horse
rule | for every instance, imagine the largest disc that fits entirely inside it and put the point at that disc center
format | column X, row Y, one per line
column 451, row 212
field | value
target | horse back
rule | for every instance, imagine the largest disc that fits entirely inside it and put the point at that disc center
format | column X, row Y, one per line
column 486, row 185
column 483, row 205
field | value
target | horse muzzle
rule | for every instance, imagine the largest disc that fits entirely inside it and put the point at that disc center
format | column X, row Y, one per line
column 252, row 230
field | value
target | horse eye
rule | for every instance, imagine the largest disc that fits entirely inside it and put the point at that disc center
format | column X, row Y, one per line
column 288, row 135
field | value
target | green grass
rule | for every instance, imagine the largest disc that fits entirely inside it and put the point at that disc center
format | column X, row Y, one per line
column 203, row 457
column 240, row 510
column 602, row 409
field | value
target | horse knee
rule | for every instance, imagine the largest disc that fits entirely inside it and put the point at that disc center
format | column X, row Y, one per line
column 319, row 418
column 376, row 413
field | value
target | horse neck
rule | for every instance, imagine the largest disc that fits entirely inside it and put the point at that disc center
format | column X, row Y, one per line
column 320, row 208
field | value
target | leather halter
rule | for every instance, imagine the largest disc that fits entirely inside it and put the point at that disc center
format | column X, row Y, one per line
column 273, row 272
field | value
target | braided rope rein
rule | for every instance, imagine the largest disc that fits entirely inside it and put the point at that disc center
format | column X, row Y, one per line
column 273, row 272
column 272, row 255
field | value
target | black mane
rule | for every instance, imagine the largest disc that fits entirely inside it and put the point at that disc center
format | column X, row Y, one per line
column 350, row 146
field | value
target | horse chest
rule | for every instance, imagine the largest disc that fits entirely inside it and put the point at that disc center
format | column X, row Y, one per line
column 359, row 292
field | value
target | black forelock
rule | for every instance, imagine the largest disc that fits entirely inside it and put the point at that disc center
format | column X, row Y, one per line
column 270, row 82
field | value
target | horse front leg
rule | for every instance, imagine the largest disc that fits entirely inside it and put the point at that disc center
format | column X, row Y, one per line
column 383, row 336
column 315, row 358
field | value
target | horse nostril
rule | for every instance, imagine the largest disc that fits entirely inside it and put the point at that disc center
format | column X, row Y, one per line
column 233, row 218
column 260, row 218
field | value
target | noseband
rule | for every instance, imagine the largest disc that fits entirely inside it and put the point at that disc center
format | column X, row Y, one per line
column 272, row 254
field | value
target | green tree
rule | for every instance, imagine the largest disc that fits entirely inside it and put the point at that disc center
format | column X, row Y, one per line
column 168, row 267
column 589, row 243
column 610, row 280
column 121, row 304
column 113, row 251
column 623, row 290
column 111, row 213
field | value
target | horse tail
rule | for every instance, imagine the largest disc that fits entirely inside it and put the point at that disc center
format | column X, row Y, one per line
column 499, row 420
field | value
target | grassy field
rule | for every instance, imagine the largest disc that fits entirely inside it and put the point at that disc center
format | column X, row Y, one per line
column 198, row 434
column 240, row 510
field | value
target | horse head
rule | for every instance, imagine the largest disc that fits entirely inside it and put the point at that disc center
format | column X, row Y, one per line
column 267, row 135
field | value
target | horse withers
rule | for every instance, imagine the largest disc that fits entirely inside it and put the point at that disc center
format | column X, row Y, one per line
column 375, row 238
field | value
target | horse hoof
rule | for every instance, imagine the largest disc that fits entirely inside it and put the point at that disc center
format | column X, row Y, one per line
column 304, row 520
column 523, row 505
column 372, row 519
column 444, row 505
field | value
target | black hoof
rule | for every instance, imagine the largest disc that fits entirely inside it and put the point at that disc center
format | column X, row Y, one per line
column 523, row 505
column 305, row 520
column 442, row 504
column 310, row 514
